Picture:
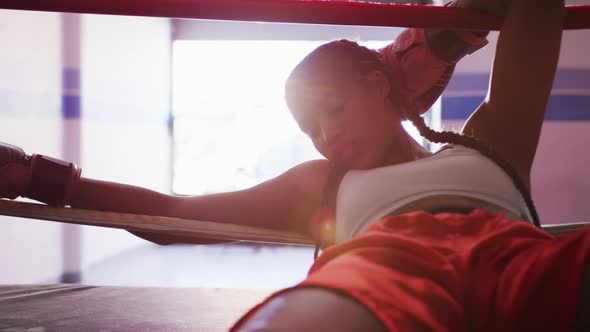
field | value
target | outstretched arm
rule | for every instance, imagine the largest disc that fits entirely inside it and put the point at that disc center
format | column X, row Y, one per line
column 280, row 203
column 283, row 203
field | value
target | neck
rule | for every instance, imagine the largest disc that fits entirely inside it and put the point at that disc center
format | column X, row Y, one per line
column 405, row 149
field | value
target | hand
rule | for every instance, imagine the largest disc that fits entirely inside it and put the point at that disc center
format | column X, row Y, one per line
column 14, row 171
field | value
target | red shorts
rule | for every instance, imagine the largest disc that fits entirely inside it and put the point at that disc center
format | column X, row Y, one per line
column 455, row 272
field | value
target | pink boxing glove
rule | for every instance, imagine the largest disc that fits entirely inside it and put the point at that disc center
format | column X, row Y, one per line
column 421, row 62
column 36, row 176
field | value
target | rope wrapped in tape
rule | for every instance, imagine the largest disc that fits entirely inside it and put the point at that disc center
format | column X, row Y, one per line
column 295, row 11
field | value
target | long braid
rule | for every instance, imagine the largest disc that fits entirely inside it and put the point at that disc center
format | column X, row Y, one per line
column 472, row 142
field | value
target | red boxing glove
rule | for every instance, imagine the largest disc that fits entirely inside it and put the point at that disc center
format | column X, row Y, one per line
column 46, row 179
column 52, row 180
column 14, row 172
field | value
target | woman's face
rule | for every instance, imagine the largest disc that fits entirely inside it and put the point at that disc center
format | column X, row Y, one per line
column 350, row 122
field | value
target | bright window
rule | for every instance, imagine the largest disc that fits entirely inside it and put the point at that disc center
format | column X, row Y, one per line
column 232, row 128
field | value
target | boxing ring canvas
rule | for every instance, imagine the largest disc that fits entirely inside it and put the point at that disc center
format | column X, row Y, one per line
column 87, row 308
column 73, row 308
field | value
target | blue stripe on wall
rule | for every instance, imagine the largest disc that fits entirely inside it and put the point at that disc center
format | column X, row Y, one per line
column 572, row 107
column 459, row 108
column 468, row 82
column 70, row 99
column 564, row 79
column 560, row 107
column 70, row 107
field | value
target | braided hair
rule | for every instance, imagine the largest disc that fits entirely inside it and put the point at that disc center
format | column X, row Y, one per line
column 473, row 143
column 355, row 58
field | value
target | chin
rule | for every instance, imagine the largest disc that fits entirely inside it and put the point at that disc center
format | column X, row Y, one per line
column 346, row 164
column 359, row 161
column 357, row 164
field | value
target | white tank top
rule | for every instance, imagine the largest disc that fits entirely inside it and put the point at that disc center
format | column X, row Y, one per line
column 365, row 196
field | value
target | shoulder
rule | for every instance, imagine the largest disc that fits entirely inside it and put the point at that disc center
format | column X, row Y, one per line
column 316, row 182
column 310, row 177
column 302, row 191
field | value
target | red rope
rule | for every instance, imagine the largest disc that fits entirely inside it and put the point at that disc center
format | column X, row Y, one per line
column 293, row 11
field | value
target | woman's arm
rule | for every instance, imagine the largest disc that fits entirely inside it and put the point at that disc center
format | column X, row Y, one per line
column 511, row 117
column 285, row 202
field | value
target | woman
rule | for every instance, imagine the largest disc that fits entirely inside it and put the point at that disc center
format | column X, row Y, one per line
column 424, row 242
column 434, row 242
column 422, row 60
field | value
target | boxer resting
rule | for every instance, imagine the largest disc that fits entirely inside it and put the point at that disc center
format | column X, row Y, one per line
column 423, row 241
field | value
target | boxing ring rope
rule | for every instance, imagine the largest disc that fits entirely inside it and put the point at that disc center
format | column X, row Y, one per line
column 180, row 227
column 286, row 11
column 294, row 11
column 186, row 228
